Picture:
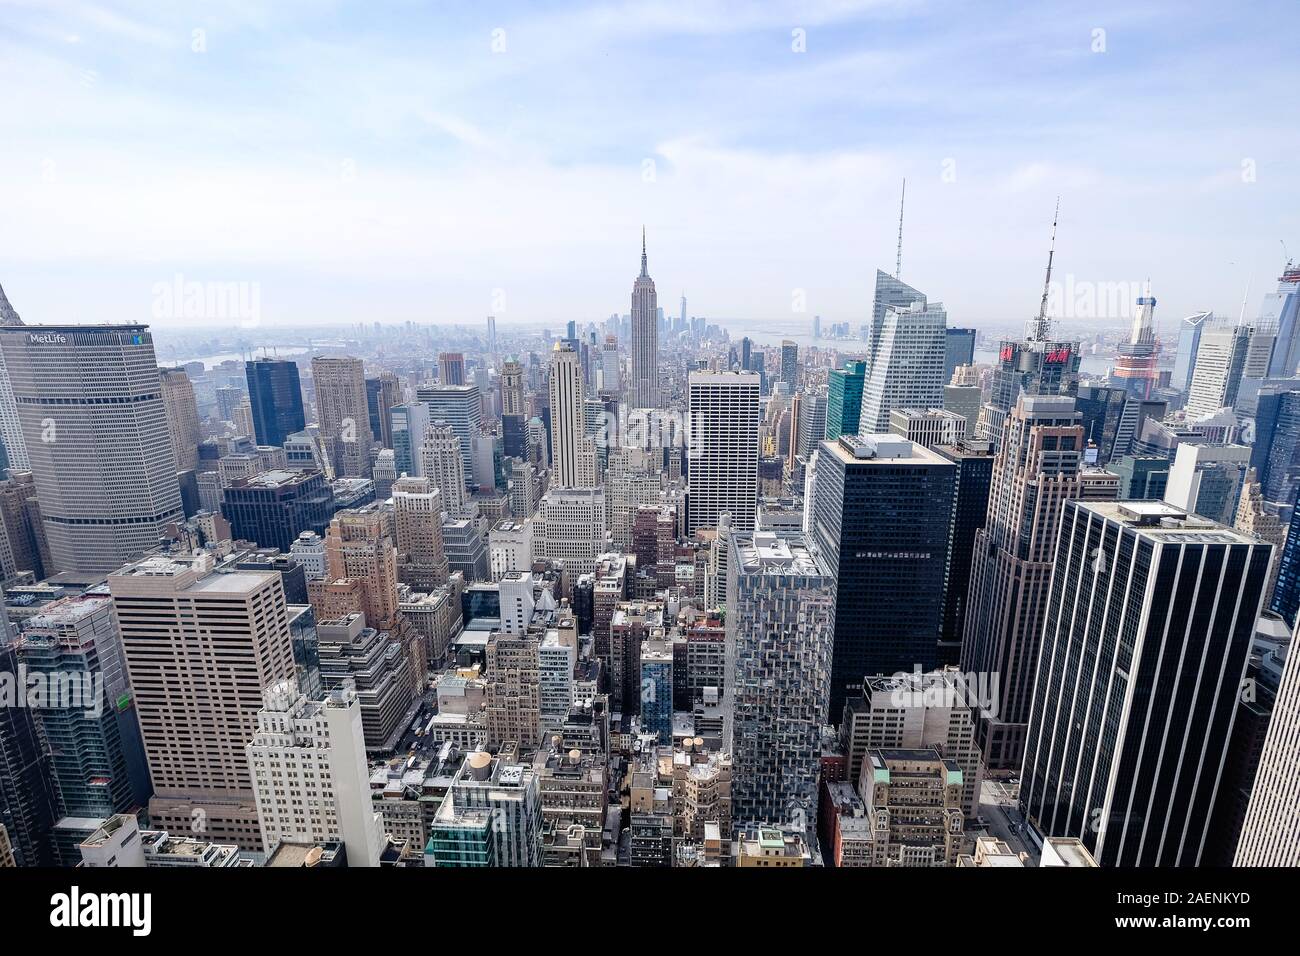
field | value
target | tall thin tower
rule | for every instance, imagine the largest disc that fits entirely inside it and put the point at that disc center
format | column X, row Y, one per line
column 645, row 338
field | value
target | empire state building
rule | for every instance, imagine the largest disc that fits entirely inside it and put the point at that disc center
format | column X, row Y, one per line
column 645, row 339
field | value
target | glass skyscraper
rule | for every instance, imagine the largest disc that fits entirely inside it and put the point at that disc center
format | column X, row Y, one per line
column 275, row 394
column 881, row 509
column 844, row 400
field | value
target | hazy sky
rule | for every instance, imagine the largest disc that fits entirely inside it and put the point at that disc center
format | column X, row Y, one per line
column 436, row 162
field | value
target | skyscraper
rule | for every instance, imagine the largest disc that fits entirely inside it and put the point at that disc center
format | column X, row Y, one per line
column 1268, row 835
column 906, row 357
column 461, row 407
column 274, row 507
column 182, row 417
column 780, row 611
column 275, row 394
column 443, row 464
column 573, row 452
column 1146, row 636
column 200, row 646
column 417, row 533
column 310, row 776
column 343, row 413
column 1280, row 317
column 90, row 402
column 959, row 349
column 789, row 363
column 1036, row 470
column 722, row 448
column 971, row 484
column 844, row 399
column 451, row 368
column 1027, row 368
column 14, row 453
column 1135, row 360
column 1220, row 361
column 97, row 758
column 1285, row 599
column 879, row 514
column 644, row 391
column 409, row 423
column 1189, row 340
column 28, row 807
column 382, row 393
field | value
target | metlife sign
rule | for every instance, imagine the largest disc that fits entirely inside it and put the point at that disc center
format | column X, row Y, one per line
column 47, row 338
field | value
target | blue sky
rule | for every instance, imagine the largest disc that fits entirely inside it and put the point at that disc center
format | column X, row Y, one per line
column 437, row 161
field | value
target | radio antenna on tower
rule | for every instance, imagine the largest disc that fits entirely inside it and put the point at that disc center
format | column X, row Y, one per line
column 898, row 259
column 1042, row 326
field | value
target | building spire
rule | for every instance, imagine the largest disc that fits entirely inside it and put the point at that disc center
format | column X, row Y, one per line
column 1042, row 325
column 643, row 262
column 898, row 259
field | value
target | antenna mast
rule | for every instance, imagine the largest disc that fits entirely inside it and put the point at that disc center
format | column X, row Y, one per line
column 898, row 259
column 1042, row 326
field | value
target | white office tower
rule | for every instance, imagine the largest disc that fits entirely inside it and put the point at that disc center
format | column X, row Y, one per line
column 1220, row 363
column 723, row 439
column 573, row 451
column 557, row 654
column 310, row 775
column 1146, row 639
column 89, row 400
column 644, row 390
column 611, row 373
column 308, row 550
column 1207, row 480
column 200, row 647
column 1270, row 835
column 417, row 534
column 510, row 547
column 570, row 527
column 517, row 602
column 780, row 611
column 905, row 365
column 444, row 465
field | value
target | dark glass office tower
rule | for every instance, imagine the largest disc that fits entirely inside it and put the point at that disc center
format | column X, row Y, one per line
column 959, row 349
column 881, row 510
column 1101, row 406
column 1279, row 447
column 970, row 509
column 276, row 397
column 27, row 806
column 1145, row 643
column 274, row 507
column 1285, row 599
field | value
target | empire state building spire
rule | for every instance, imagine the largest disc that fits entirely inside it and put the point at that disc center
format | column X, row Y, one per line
column 644, row 392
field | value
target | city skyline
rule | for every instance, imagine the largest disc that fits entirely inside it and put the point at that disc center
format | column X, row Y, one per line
column 379, row 516
column 497, row 161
